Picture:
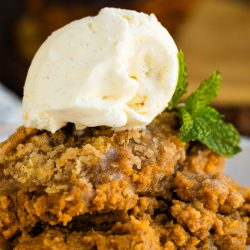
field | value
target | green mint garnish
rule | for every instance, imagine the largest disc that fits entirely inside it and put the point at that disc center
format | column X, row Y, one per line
column 199, row 121
column 182, row 83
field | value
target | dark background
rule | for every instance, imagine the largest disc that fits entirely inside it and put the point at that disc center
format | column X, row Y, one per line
column 25, row 24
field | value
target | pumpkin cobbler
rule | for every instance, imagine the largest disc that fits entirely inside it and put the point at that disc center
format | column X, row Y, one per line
column 110, row 156
column 104, row 189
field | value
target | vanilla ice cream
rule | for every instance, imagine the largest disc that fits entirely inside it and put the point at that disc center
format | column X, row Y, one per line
column 118, row 69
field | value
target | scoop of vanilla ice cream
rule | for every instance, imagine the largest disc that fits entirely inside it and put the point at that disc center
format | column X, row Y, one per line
column 118, row 69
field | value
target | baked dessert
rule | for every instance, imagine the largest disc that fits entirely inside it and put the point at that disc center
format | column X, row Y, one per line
column 102, row 189
column 157, row 186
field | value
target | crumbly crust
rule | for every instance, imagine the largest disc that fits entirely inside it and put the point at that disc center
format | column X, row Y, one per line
column 103, row 189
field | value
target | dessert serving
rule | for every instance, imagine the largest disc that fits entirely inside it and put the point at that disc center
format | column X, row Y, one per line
column 109, row 157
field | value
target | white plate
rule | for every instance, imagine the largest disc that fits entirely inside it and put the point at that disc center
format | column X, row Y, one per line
column 238, row 167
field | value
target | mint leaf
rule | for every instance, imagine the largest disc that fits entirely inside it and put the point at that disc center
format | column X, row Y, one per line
column 201, row 122
column 196, row 125
column 205, row 93
column 223, row 139
column 182, row 83
column 187, row 132
column 210, row 114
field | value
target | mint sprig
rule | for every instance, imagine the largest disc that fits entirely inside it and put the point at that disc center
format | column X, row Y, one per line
column 205, row 93
column 199, row 121
column 182, row 83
